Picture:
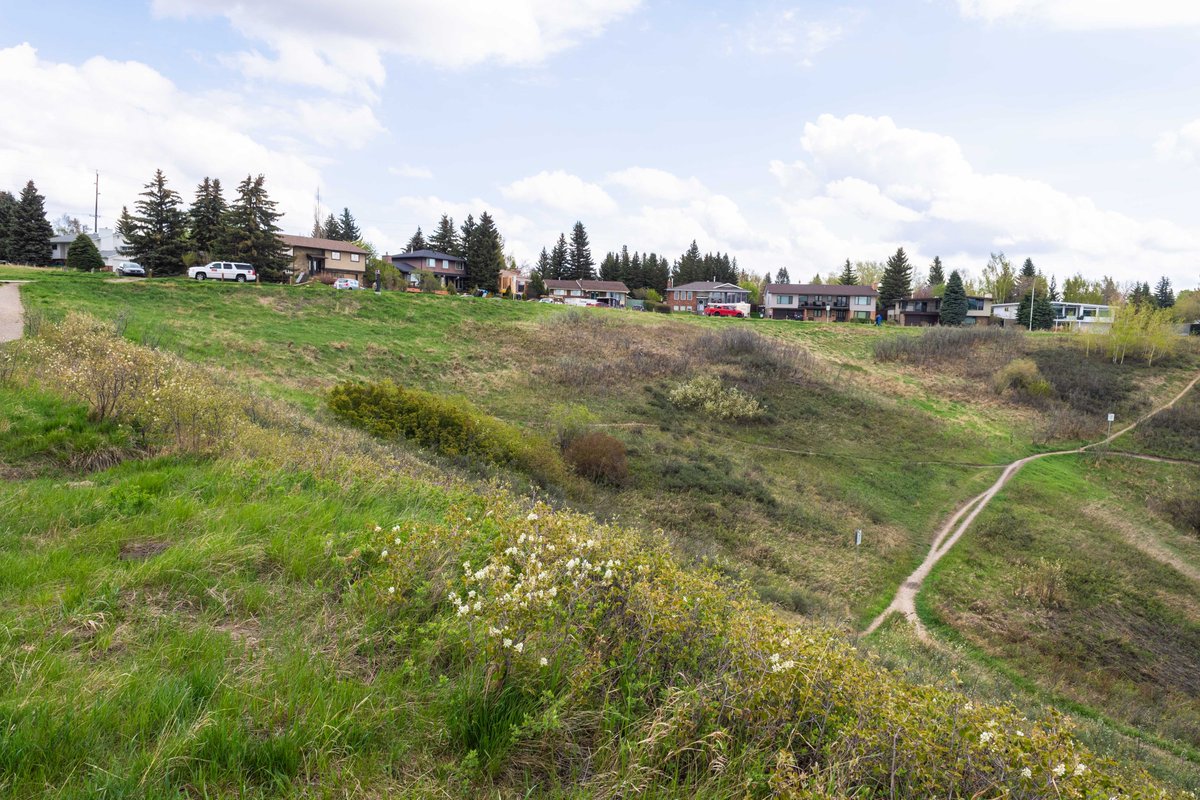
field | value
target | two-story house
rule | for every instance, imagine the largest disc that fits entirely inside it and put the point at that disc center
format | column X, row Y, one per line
column 449, row 270
column 699, row 295
column 311, row 256
column 606, row 293
column 821, row 302
column 923, row 308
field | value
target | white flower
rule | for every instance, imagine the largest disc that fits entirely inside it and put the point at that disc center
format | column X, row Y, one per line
column 494, row 631
column 1027, row 773
column 391, row 590
column 378, row 529
column 986, row 737
column 1059, row 770
column 532, row 517
column 471, row 595
column 519, row 646
column 397, row 540
column 478, row 606
column 383, row 554
column 969, row 706
column 543, row 662
column 394, row 529
column 468, row 519
column 507, row 642
column 1080, row 769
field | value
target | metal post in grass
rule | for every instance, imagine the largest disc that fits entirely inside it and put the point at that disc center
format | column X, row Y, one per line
column 378, row 285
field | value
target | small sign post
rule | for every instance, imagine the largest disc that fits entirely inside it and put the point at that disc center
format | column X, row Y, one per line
column 378, row 282
column 1111, row 417
column 858, row 538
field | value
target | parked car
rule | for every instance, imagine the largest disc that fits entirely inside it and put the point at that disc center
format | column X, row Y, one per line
column 720, row 310
column 346, row 283
column 548, row 300
column 224, row 271
column 128, row 268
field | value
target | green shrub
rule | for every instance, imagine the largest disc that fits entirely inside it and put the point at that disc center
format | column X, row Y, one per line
column 83, row 255
column 706, row 393
column 449, row 426
column 599, row 458
column 1022, row 377
column 569, row 422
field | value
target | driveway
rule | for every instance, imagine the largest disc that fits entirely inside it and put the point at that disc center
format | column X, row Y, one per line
column 11, row 317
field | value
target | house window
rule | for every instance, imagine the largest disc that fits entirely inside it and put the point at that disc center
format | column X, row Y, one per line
column 974, row 304
column 445, row 263
column 354, row 256
column 785, row 299
column 864, row 301
column 431, row 262
column 335, row 255
column 861, row 315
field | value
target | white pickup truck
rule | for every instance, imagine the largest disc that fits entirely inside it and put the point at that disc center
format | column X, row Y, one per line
column 224, row 271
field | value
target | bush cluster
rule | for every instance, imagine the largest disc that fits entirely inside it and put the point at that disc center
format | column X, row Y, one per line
column 1022, row 377
column 599, row 458
column 450, row 426
column 1175, row 431
column 708, row 394
column 762, row 356
column 941, row 343
column 581, row 656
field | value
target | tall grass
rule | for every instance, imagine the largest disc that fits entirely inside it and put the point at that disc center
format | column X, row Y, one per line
column 941, row 344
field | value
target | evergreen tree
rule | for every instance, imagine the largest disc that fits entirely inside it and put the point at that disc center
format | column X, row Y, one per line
column 1140, row 294
column 331, row 229
column 816, row 279
column 954, row 301
column 610, row 267
column 543, row 266
column 897, row 279
column 558, row 259
column 625, row 264
column 485, row 254
column 445, row 238
column 155, row 231
column 848, row 277
column 29, row 231
column 1043, row 313
column 417, row 242
column 206, row 217
column 690, row 266
column 536, row 287
column 1027, row 269
column 83, row 255
column 657, row 273
column 348, row 227
column 579, row 257
column 936, row 274
column 633, row 277
column 8, row 212
column 1164, row 297
column 464, row 238
column 252, row 231
column 1054, row 296
column 782, row 276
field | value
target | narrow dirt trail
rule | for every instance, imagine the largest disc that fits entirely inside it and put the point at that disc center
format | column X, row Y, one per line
column 12, row 323
column 905, row 600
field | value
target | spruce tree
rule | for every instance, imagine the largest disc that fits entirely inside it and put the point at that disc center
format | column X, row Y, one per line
column 558, row 259
column 1043, row 313
column 580, row 265
column 207, row 216
column 252, row 231
column 816, row 279
column 690, row 266
column 848, row 277
column 465, row 233
column 332, row 229
column 8, row 212
column 536, row 287
column 936, row 274
column 782, row 276
column 897, row 279
column 1027, row 269
column 1053, row 293
column 1164, row 297
column 485, row 254
column 657, row 272
column 29, row 232
column 954, row 301
column 417, row 242
column 348, row 228
column 1140, row 294
column 83, row 255
column 610, row 267
column 155, row 232
column 633, row 278
column 445, row 238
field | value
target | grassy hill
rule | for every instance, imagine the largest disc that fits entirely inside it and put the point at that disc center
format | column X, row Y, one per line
column 253, row 550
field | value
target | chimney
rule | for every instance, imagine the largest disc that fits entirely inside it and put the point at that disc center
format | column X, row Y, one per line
column 670, row 282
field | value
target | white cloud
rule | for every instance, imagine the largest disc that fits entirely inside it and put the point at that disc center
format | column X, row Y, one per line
column 561, row 191
column 340, row 46
column 1181, row 145
column 647, row 183
column 126, row 120
column 409, row 171
column 790, row 32
column 1088, row 14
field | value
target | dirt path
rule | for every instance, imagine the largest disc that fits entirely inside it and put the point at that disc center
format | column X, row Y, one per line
column 12, row 323
column 1142, row 538
column 905, row 601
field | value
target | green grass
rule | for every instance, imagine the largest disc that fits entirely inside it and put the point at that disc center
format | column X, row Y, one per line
column 38, row 432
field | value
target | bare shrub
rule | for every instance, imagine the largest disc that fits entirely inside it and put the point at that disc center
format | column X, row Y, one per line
column 1183, row 511
column 1021, row 376
column 949, row 344
column 582, row 348
column 599, row 458
column 1042, row 583
column 326, row 278
column 762, row 356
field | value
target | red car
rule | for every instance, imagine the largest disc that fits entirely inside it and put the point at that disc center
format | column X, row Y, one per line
column 723, row 311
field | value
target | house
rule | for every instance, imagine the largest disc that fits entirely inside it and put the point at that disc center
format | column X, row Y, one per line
column 1069, row 316
column 824, row 302
column 312, row 256
column 698, row 295
column 923, row 308
column 108, row 242
column 607, row 293
column 513, row 282
column 449, row 270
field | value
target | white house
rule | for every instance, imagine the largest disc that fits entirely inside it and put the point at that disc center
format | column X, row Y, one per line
column 1074, row 316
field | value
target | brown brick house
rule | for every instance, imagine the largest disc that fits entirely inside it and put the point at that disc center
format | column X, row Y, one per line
column 820, row 301
column 698, row 295
column 924, row 308
column 311, row 256
column 608, row 293
column 448, row 269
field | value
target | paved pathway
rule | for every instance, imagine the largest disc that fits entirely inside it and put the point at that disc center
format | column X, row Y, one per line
column 12, row 323
column 906, row 596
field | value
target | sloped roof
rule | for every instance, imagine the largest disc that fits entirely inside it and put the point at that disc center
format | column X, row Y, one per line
column 707, row 286
column 593, row 286
column 822, row 288
column 429, row 254
column 320, row 244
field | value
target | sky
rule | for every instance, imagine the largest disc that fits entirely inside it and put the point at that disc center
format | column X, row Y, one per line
column 788, row 134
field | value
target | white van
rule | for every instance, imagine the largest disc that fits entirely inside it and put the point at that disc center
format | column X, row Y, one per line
column 224, row 271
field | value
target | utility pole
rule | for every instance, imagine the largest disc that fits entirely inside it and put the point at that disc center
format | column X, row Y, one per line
column 96, row 210
column 1032, row 297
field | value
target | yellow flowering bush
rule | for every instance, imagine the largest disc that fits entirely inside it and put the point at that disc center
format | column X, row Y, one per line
column 585, row 652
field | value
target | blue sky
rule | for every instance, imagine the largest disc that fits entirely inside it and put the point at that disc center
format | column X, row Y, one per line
column 788, row 134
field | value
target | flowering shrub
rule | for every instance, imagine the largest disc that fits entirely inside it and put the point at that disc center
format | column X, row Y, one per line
column 706, row 393
column 451, row 427
column 584, row 653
